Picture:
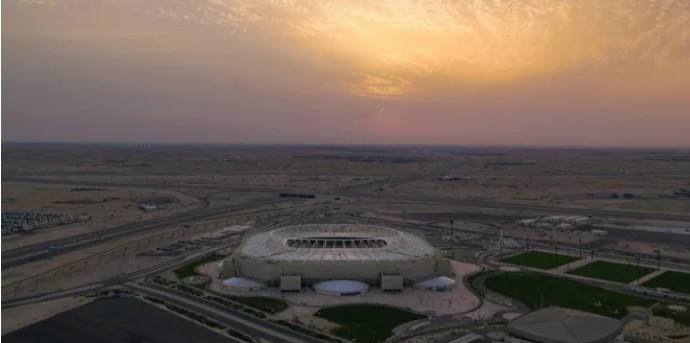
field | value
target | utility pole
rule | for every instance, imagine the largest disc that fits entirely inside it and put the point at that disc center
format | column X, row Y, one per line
column 501, row 244
column 658, row 259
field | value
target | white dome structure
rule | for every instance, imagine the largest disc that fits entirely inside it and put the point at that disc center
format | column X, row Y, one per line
column 440, row 283
column 341, row 287
column 241, row 284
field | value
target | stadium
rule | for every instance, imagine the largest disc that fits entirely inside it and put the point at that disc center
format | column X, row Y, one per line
column 335, row 259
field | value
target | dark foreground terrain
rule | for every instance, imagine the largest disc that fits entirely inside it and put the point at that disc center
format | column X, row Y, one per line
column 115, row 320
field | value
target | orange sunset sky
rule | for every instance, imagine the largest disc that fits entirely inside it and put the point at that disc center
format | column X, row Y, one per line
column 473, row 72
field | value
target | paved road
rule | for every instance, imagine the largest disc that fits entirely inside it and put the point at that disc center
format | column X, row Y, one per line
column 364, row 190
column 123, row 278
column 231, row 318
column 30, row 253
column 546, row 209
column 171, row 186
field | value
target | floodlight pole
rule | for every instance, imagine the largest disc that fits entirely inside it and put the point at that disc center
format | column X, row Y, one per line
column 658, row 259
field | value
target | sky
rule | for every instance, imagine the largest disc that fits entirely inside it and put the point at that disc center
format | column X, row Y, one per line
column 471, row 72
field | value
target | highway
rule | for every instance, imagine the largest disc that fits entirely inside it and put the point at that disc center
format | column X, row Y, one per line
column 237, row 320
column 545, row 209
column 122, row 278
column 367, row 190
column 173, row 187
column 30, row 253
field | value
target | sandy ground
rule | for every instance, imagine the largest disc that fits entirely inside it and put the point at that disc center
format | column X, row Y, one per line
column 639, row 328
column 19, row 317
column 120, row 208
column 650, row 249
column 99, row 262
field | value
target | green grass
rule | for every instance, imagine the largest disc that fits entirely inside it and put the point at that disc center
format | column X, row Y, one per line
column 662, row 310
column 675, row 281
column 190, row 269
column 265, row 304
column 534, row 290
column 539, row 259
column 366, row 323
column 611, row 271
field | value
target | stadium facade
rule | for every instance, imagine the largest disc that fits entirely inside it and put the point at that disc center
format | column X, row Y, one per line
column 303, row 255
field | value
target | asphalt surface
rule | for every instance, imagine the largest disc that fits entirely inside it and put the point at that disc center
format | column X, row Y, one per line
column 116, row 320
column 666, row 238
column 237, row 320
column 545, row 209
column 34, row 252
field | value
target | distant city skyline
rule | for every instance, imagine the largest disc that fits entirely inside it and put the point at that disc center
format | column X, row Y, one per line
column 474, row 73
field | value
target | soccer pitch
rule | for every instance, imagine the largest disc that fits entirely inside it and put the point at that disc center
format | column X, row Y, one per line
column 675, row 281
column 538, row 291
column 612, row 271
column 540, row 259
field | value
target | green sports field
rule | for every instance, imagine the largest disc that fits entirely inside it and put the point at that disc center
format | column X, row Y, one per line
column 539, row 259
column 611, row 271
column 366, row 323
column 675, row 281
column 537, row 291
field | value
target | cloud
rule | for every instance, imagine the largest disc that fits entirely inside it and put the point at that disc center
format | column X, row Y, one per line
column 393, row 45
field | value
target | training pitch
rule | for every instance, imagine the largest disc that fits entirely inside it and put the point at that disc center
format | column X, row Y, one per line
column 538, row 291
column 540, row 259
column 611, row 271
column 675, row 281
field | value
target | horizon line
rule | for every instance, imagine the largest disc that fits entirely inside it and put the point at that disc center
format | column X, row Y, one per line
column 400, row 145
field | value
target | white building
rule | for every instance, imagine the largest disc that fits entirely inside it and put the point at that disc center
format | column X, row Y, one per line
column 301, row 255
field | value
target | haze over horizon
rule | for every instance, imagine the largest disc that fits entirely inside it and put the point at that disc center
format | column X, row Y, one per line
column 511, row 72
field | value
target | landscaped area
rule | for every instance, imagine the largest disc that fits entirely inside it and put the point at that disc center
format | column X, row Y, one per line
column 190, row 269
column 265, row 304
column 540, row 259
column 366, row 323
column 611, row 271
column 537, row 291
column 675, row 281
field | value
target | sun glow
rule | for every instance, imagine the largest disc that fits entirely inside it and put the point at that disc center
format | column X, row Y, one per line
column 396, row 48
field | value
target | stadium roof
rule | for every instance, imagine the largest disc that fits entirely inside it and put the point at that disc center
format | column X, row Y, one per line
column 561, row 325
column 336, row 242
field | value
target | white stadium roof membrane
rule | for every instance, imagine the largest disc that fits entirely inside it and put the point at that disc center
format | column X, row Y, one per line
column 239, row 283
column 562, row 325
column 441, row 282
column 341, row 287
column 335, row 242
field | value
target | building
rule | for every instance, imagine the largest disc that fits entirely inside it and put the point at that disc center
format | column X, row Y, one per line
column 562, row 325
column 306, row 255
